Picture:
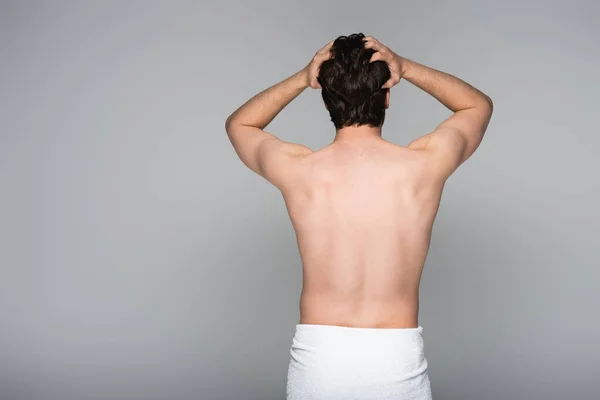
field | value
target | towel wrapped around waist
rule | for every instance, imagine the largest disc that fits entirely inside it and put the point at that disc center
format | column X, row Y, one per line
column 338, row 362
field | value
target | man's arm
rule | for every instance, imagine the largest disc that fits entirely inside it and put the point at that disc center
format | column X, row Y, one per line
column 263, row 152
column 456, row 138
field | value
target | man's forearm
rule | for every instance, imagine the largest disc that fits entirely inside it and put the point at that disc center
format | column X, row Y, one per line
column 261, row 109
column 451, row 91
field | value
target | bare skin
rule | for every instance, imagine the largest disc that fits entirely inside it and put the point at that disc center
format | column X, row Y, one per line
column 363, row 215
column 362, row 208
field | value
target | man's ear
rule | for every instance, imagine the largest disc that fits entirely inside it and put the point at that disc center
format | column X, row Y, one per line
column 387, row 99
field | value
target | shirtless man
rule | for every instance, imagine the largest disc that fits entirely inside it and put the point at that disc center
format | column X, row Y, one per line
column 363, row 210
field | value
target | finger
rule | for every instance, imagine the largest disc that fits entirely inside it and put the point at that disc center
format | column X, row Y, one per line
column 320, row 57
column 394, row 79
column 378, row 43
column 381, row 56
column 376, row 57
column 369, row 44
column 324, row 53
column 326, row 48
column 372, row 39
column 389, row 83
column 374, row 45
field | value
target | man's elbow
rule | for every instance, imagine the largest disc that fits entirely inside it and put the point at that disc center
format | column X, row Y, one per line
column 489, row 104
column 230, row 123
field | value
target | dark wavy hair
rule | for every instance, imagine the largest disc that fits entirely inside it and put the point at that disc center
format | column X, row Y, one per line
column 351, row 85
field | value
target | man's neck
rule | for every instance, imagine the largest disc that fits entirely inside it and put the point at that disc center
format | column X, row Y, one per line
column 349, row 134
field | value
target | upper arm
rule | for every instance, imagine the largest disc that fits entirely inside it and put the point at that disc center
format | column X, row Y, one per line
column 266, row 154
column 455, row 139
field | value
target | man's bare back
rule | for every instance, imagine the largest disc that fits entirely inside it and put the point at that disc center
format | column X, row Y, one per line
column 362, row 208
column 363, row 213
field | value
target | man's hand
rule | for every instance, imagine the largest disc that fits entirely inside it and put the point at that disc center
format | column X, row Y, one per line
column 395, row 63
column 312, row 69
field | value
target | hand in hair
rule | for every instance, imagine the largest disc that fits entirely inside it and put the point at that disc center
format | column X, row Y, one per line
column 394, row 61
column 312, row 69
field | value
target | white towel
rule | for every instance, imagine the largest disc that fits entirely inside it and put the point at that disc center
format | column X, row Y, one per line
column 337, row 362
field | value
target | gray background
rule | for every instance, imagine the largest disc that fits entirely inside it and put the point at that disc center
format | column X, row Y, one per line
column 141, row 260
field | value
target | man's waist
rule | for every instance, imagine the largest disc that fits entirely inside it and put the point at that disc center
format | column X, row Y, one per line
column 358, row 312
